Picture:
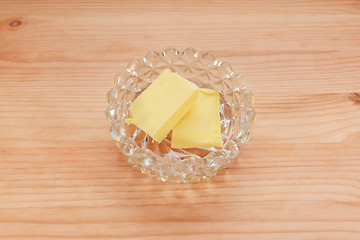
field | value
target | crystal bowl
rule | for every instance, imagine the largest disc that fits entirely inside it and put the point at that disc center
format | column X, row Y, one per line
column 159, row 159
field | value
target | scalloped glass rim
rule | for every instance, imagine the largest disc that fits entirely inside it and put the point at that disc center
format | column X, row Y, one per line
column 159, row 159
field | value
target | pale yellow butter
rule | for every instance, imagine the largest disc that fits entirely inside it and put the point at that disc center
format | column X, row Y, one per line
column 161, row 106
column 200, row 127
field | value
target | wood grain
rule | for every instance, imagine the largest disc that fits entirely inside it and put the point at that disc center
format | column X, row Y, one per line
column 61, row 176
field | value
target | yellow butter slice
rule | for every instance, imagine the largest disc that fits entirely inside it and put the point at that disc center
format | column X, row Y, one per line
column 200, row 127
column 161, row 106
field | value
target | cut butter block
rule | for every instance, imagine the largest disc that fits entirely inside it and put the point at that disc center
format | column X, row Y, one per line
column 200, row 126
column 160, row 107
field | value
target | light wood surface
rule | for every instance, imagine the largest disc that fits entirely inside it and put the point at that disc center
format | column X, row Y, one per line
column 61, row 176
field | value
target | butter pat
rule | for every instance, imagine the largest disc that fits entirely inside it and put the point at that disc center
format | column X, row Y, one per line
column 161, row 106
column 200, row 126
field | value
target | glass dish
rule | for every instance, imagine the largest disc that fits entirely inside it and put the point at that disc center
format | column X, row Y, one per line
column 159, row 159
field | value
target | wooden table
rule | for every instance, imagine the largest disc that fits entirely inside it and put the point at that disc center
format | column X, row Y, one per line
column 61, row 176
